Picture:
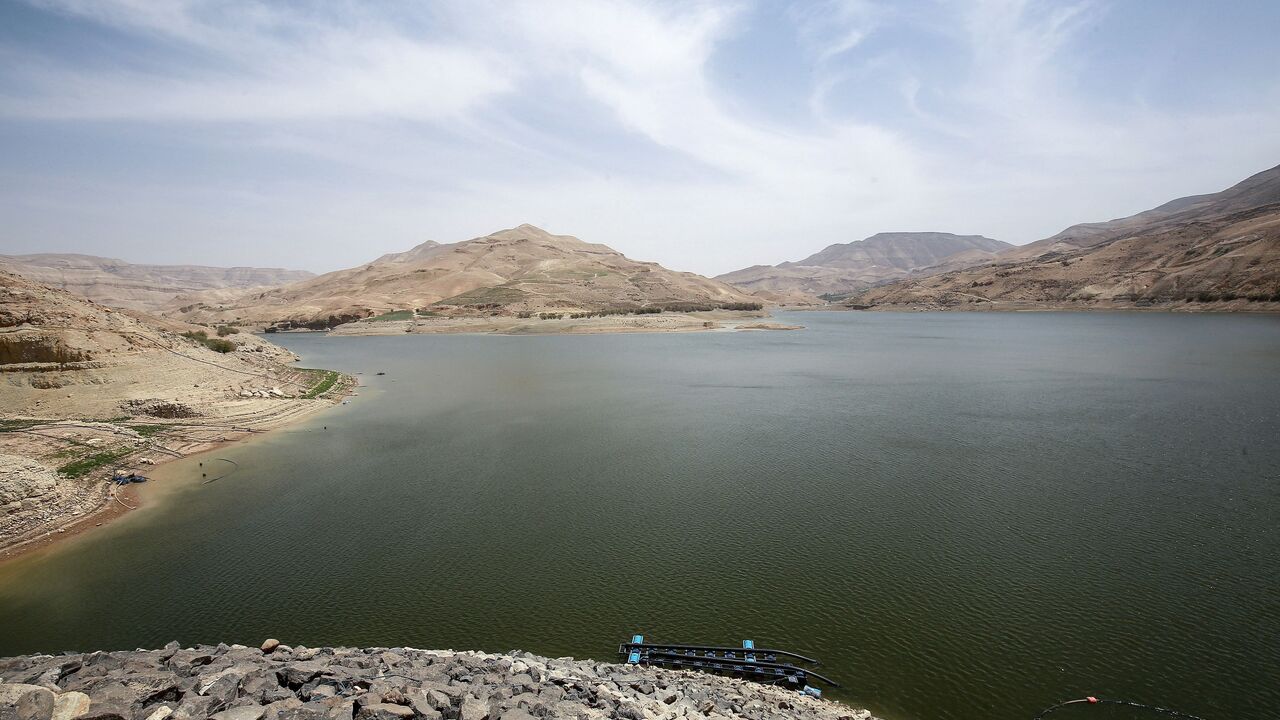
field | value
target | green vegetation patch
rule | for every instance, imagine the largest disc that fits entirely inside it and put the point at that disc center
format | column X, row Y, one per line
column 325, row 384
column 149, row 430
column 214, row 344
column 11, row 425
column 499, row 295
column 225, row 330
column 393, row 315
column 86, row 465
column 660, row 307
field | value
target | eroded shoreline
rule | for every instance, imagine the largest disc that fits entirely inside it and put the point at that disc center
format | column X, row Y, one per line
column 164, row 443
column 703, row 321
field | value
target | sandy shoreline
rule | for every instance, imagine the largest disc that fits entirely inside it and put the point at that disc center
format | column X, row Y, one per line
column 77, row 506
column 110, row 508
column 707, row 321
column 187, row 439
column 81, row 505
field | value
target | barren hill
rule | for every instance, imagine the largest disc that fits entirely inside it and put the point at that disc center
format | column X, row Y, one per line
column 150, row 288
column 88, row 389
column 1216, row 251
column 521, row 270
column 848, row 267
column 101, row 362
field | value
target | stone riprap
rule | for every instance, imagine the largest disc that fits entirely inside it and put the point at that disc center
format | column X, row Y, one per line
column 278, row 682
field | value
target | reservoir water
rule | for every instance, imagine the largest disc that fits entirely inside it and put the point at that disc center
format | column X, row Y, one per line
column 963, row 515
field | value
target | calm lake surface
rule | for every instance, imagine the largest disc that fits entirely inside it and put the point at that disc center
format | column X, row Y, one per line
column 962, row 515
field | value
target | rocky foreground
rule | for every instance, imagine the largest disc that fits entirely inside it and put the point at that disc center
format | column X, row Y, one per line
column 277, row 682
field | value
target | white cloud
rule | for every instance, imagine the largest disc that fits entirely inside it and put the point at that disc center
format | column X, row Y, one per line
column 831, row 27
column 605, row 119
column 264, row 65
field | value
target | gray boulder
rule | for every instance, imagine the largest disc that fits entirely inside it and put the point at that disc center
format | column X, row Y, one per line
column 25, row 702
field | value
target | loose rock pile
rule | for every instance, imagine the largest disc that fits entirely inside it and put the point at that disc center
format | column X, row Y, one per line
column 276, row 682
column 263, row 392
column 33, row 496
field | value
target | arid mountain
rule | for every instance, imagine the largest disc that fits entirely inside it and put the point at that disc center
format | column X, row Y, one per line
column 417, row 252
column 64, row 356
column 1217, row 251
column 848, row 267
column 149, row 288
column 520, row 270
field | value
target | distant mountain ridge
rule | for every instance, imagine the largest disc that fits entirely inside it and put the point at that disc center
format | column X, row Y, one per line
column 1215, row 251
column 416, row 252
column 844, row 268
column 522, row 269
column 145, row 287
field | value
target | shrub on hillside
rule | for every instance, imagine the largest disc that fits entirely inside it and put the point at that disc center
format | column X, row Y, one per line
column 214, row 344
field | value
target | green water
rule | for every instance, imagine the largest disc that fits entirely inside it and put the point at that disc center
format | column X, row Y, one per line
column 962, row 515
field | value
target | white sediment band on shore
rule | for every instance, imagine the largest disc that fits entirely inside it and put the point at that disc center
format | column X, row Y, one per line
column 568, row 325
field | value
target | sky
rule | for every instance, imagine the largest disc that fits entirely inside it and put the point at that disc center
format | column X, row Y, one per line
column 707, row 136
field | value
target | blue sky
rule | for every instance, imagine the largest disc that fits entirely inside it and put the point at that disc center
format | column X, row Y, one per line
column 706, row 136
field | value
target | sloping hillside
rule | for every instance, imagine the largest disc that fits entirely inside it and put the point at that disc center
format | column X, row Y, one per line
column 86, row 390
column 62, row 356
column 848, row 267
column 1217, row 251
column 521, row 270
column 149, row 288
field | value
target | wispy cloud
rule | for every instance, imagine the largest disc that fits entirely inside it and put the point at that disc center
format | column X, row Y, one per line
column 610, row 119
column 831, row 27
column 262, row 63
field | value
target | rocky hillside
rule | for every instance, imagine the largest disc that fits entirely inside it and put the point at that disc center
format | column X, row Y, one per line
column 1206, row 252
column 276, row 682
column 64, row 356
column 521, row 270
column 150, row 288
column 87, row 389
column 848, row 267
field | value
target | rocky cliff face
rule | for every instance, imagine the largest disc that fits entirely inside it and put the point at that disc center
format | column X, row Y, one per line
column 277, row 682
column 32, row 494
